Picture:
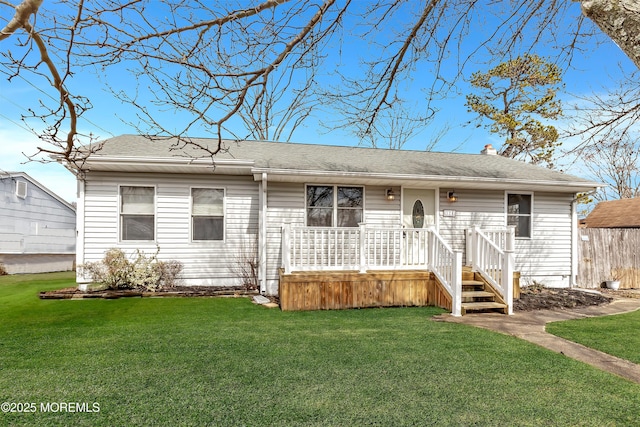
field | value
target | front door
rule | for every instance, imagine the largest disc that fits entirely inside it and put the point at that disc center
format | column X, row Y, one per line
column 418, row 212
column 418, row 208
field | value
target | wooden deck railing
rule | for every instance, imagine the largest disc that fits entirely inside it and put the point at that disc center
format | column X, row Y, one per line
column 447, row 266
column 494, row 263
column 373, row 248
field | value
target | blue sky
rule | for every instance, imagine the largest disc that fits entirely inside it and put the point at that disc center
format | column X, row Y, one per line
column 594, row 69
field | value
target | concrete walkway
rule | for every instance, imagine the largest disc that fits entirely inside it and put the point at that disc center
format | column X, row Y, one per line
column 530, row 326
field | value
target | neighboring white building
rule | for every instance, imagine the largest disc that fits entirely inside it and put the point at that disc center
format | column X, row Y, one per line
column 37, row 228
column 211, row 214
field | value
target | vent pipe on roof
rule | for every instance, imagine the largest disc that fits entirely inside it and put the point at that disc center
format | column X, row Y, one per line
column 489, row 150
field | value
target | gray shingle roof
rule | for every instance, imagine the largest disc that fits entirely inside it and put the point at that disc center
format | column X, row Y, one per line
column 310, row 157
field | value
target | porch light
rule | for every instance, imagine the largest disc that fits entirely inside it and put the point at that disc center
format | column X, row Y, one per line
column 452, row 196
column 390, row 194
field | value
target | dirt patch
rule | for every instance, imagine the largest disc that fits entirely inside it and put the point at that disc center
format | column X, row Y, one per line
column 540, row 298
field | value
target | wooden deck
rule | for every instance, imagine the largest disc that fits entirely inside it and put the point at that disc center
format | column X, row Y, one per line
column 330, row 290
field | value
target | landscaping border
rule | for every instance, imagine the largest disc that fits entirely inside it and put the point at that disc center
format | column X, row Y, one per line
column 75, row 293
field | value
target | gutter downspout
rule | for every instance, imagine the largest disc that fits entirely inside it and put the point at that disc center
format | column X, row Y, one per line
column 574, row 244
column 80, row 212
column 262, row 236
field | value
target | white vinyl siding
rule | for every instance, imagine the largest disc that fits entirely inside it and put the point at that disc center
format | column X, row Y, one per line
column 285, row 204
column 545, row 257
column 474, row 207
column 381, row 212
column 35, row 224
column 206, row 262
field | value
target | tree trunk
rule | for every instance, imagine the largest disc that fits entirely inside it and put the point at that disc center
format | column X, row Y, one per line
column 620, row 20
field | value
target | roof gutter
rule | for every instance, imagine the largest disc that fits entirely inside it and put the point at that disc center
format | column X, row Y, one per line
column 101, row 163
column 458, row 181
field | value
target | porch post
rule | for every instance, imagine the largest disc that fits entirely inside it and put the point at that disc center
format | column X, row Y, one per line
column 469, row 246
column 510, row 243
column 476, row 248
column 286, row 246
column 507, row 279
column 432, row 256
column 362, row 243
column 508, row 267
column 456, row 285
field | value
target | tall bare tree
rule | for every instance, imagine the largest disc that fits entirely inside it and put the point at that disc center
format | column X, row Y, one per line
column 606, row 125
column 615, row 162
column 612, row 114
column 210, row 63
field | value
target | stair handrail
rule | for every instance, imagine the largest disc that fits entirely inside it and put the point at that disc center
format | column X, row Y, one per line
column 446, row 265
column 495, row 264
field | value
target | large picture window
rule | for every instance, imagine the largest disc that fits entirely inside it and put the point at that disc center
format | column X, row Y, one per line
column 519, row 213
column 137, row 213
column 328, row 205
column 207, row 214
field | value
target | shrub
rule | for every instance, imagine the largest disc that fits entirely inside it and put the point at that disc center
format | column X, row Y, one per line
column 144, row 272
column 169, row 272
column 3, row 270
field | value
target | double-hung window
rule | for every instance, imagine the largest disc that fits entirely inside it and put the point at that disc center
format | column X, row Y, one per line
column 137, row 213
column 519, row 213
column 340, row 205
column 207, row 214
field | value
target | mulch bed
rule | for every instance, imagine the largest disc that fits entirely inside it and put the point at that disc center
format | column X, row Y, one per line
column 541, row 298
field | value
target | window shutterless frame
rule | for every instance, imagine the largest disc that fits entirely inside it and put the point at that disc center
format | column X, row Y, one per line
column 137, row 213
column 334, row 205
column 519, row 212
column 207, row 214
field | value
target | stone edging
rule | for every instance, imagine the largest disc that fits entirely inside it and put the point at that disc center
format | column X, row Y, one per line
column 114, row 294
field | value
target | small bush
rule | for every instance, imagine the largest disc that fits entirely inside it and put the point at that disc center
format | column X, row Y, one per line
column 144, row 272
column 3, row 270
column 169, row 272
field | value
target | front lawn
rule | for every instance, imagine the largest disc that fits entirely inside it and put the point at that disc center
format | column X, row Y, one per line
column 618, row 335
column 225, row 361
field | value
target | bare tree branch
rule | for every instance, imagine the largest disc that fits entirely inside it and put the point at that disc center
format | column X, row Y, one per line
column 23, row 13
column 226, row 68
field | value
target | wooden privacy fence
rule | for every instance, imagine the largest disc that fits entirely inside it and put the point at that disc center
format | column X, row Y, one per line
column 605, row 251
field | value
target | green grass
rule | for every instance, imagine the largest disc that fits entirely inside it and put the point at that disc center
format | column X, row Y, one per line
column 618, row 335
column 225, row 361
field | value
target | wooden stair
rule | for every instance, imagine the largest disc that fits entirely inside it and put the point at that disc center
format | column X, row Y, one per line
column 478, row 296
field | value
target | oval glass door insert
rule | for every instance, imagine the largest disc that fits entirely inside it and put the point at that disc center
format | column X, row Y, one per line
column 418, row 214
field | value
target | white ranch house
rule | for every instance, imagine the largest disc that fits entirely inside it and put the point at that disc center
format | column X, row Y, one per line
column 316, row 208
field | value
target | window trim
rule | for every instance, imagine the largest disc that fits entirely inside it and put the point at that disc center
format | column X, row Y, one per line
column 224, row 214
column 334, row 214
column 155, row 214
column 530, row 215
